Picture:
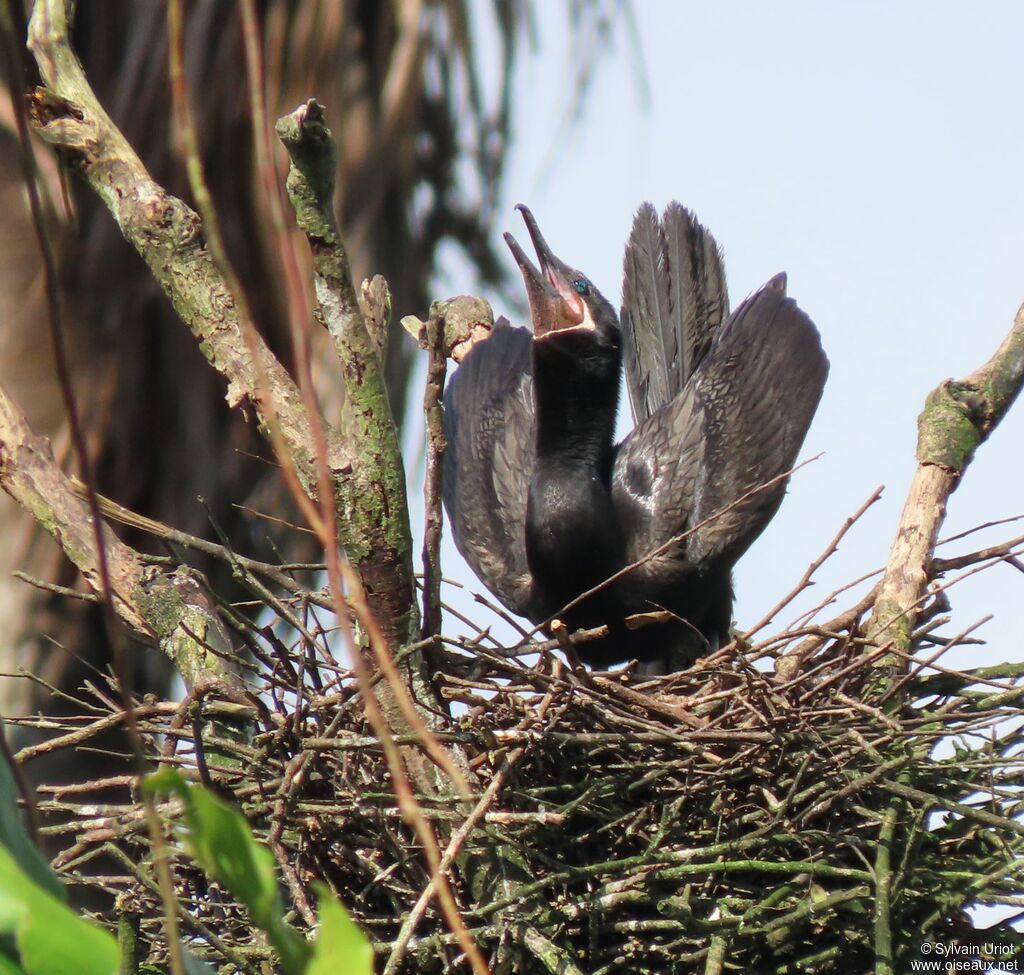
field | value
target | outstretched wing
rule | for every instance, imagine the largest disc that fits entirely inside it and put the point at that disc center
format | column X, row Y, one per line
column 489, row 425
column 674, row 299
column 737, row 425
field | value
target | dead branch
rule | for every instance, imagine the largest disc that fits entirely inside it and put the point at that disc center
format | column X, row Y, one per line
column 435, row 346
column 957, row 419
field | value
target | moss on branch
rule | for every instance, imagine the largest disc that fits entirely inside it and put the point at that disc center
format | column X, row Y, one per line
column 174, row 609
column 957, row 418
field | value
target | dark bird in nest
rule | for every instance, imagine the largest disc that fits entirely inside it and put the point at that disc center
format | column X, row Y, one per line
column 560, row 522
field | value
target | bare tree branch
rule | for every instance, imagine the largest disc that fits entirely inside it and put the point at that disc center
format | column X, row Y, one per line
column 957, row 418
column 173, row 609
column 168, row 235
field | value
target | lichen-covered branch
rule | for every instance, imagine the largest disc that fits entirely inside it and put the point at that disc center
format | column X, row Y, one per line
column 378, row 538
column 173, row 609
column 168, row 235
column 362, row 458
column 376, row 505
column 957, row 418
column 367, row 419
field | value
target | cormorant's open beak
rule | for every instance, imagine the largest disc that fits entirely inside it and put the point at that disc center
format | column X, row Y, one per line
column 554, row 303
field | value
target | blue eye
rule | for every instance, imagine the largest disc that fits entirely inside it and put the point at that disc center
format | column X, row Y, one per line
column 581, row 286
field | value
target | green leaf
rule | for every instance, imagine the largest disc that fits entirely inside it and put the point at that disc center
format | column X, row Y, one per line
column 341, row 946
column 219, row 839
column 8, row 967
column 51, row 938
column 16, row 840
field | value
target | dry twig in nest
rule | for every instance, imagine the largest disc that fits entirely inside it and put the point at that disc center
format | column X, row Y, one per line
column 723, row 811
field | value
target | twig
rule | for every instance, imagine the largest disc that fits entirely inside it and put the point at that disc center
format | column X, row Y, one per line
column 805, row 579
column 961, row 809
column 438, row 363
column 455, row 843
column 1002, row 550
column 158, row 529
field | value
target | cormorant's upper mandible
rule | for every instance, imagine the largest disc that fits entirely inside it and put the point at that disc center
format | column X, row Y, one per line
column 561, row 297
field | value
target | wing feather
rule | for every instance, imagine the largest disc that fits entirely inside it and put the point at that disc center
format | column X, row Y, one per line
column 674, row 299
column 698, row 297
column 489, row 426
column 645, row 306
column 738, row 424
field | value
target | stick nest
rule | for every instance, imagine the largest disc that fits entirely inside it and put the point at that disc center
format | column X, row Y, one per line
column 786, row 807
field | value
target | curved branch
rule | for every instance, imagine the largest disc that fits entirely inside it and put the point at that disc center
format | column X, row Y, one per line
column 958, row 417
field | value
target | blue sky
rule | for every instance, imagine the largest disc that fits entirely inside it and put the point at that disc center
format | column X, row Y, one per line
column 875, row 153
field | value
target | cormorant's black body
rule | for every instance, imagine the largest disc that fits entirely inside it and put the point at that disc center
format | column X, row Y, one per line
column 545, row 507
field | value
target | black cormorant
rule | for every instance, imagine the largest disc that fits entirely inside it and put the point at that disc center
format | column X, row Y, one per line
column 545, row 507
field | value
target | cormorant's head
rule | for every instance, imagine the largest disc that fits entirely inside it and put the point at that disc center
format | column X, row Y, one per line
column 562, row 299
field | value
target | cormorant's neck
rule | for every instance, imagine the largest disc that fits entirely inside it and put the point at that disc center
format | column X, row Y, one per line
column 576, row 393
